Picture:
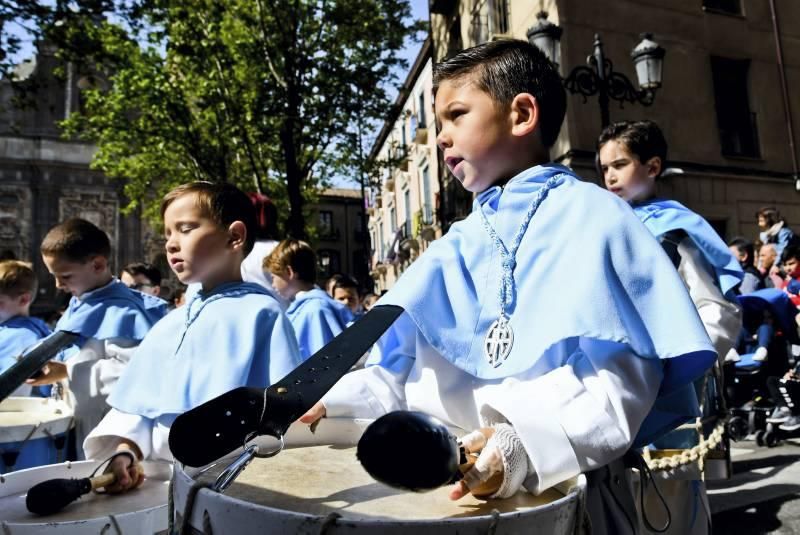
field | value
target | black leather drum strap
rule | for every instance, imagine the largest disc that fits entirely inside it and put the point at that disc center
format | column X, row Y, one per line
column 669, row 242
column 223, row 424
column 30, row 363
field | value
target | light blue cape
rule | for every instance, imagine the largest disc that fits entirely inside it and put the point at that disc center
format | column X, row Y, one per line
column 317, row 319
column 18, row 334
column 113, row 311
column 235, row 335
column 661, row 216
column 586, row 267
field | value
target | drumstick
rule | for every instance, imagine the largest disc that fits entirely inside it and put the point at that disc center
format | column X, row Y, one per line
column 49, row 497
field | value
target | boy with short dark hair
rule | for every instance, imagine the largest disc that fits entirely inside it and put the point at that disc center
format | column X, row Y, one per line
column 229, row 334
column 345, row 290
column 18, row 330
column 316, row 318
column 497, row 334
column 790, row 260
column 143, row 277
column 631, row 156
column 111, row 319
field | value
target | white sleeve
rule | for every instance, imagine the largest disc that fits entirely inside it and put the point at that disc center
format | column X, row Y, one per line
column 380, row 387
column 102, row 442
column 721, row 318
column 96, row 368
column 579, row 416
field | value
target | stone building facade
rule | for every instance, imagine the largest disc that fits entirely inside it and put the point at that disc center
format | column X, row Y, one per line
column 45, row 179
column 720, row 105
column 340, row 239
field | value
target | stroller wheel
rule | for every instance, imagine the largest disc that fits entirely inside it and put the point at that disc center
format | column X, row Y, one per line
column 771, row 439
column 737, row 428
column 760, row 437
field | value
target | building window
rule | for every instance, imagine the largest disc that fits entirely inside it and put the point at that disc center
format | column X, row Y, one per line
column 325, row 223
column 380, row 243
column 407, row 207
column 732, row 7
column 737, row 124
column 427, row 208
column 393, row 219
column 498, row 17
column 421, row 110
column 328, row 263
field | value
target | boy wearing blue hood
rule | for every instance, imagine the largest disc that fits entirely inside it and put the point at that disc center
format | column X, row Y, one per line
column 111, row 319
column 230, row 333
column 557, row 374
column 316, row 317
column 631, row 157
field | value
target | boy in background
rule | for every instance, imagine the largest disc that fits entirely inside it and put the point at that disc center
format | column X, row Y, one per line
column 110, row 318
column 229, row 334
column 18, row 330
column 143, row 277
column 316, row 317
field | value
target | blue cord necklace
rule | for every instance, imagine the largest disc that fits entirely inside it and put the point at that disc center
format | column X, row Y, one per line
column 500, row 337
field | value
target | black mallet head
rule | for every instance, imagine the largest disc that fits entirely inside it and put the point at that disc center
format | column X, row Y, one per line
column 49, row 497
column 410, row 450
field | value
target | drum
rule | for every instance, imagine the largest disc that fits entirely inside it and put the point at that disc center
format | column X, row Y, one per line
column 142, row 511
column 324, row 489
column 33, row 432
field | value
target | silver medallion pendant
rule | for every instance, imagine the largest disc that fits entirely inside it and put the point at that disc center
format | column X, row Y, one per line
column 498, row 342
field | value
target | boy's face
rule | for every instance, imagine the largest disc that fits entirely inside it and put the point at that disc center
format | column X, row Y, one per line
column 792, row 267
column 285, row 286
column 139, row 282
column 13, row 306
column 198, row 249
column 78, row 278
column 348, row 297
column 625, row 175
column 474, row 135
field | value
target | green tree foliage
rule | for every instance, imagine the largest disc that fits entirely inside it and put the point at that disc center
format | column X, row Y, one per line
column 265, row 94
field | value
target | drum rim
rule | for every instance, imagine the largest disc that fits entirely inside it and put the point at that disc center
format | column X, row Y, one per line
column 205, row 495
column 19, row 474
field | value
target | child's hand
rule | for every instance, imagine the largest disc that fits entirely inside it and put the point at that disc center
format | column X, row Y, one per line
column 53, row 372
column 486, row 475
column 314, row 414
column 128, row 470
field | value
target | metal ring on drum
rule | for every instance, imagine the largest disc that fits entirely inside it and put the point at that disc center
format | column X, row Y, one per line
column 141, row 511
column 33, row 432
column 316, row 485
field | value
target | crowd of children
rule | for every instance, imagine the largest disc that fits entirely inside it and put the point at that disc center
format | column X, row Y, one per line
column 495, row 322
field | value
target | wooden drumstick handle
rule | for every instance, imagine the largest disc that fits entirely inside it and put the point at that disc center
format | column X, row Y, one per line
column 488, row 487
column 104, row 480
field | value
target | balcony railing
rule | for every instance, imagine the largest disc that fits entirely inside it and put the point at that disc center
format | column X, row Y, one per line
column 419, row 131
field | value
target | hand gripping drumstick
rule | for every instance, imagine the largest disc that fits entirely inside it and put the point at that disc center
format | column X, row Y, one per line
column 49, row 497
column 415, row 451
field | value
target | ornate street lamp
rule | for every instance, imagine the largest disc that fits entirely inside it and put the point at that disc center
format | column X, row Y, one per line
column 599, row 78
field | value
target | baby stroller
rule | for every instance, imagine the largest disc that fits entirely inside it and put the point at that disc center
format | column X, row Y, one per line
column 768, row 314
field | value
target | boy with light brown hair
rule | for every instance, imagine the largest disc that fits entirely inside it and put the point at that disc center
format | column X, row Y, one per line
column 18, row 330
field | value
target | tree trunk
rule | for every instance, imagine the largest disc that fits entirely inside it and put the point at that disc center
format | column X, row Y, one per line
column 296, row 224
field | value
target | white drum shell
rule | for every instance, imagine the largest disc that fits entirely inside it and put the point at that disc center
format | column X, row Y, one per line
column 227, row 515
column 14, row 486
column 46, row 414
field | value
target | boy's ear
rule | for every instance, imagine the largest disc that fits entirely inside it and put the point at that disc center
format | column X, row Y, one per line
column 238, row 234
column 524, row 114
column 654, row 166
column 99, row 263
column 25, row 299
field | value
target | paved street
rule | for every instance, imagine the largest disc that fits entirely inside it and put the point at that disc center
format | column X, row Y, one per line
column 764, row 494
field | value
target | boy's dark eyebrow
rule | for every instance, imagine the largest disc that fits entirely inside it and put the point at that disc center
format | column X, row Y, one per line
column 618, row 160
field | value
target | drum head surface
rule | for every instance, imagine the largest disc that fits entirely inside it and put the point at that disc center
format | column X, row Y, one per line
column 323, row 479
column 152, row 493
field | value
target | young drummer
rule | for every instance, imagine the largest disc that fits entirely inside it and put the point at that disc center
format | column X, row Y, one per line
column 316, row 317
column 111, row 319
column 18, row 330
column 631, row 156
column 229, row 334
column 498, row 333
